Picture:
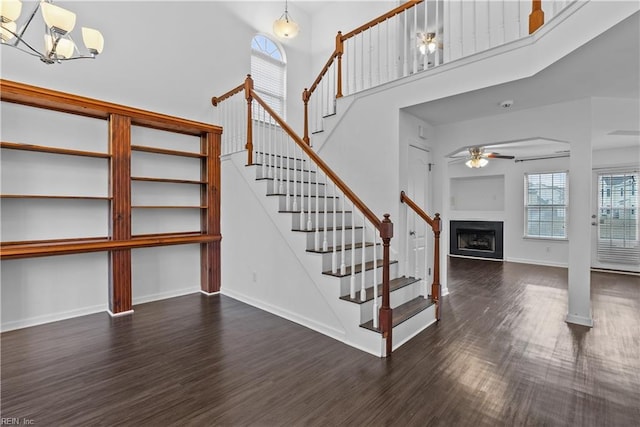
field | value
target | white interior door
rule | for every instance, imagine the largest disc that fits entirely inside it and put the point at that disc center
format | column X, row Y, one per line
column 420, row 237
column 616, row 238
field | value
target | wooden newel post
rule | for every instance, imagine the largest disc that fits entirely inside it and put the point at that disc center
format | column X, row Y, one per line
column 339, row 52
column 386, row 313
column 305, row 98
column 536, row 18
column 248, row 88
column 435, row 286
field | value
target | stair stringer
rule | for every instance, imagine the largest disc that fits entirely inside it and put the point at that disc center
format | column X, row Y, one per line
column 315, row 298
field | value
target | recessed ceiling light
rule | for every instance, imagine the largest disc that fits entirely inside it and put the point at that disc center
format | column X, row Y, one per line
column 507, row 103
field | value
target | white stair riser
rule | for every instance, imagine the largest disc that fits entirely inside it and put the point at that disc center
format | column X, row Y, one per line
column 268, row 172
column 280, row 161
column 282, row 187
column 305, row 202
column 338, row 237
column 318, row 220
column 368, row 254
column 345, row 282
column 397, row 297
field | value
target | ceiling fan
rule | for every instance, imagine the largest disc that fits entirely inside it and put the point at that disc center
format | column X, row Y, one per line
column 478, row 158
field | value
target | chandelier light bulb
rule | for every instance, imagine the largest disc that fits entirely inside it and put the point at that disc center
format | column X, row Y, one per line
column 10, row 10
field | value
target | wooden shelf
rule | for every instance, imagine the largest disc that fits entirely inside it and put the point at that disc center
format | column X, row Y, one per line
column 168, row 207
column 54, row 150
column 15, row 250
column 170, row 180
column 156, row 150
column 39, row 196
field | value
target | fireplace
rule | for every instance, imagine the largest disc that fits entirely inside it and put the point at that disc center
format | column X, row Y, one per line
column 481, row 239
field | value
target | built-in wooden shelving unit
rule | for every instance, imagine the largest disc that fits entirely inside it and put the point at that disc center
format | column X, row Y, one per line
column 120, row 240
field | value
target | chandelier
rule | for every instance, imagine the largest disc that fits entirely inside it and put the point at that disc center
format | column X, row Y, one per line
column 284, row 26
column 58, row 24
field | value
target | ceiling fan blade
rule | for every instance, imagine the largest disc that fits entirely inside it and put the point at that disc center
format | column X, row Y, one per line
column 498, row 156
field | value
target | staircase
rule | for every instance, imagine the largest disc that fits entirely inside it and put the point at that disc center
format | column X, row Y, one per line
column 342, row 256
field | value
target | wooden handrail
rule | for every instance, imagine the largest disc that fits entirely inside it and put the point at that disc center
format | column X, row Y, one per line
column 382, row 18
column 435, row 226
column 321, row 164
column 218, row 99
column 324, row 70
column 417, row 209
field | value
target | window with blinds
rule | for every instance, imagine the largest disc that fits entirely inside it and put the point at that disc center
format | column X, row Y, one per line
column 545, row 205
column 618, row 217
column 268, row 70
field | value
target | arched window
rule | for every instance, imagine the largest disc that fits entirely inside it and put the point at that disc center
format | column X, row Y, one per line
column 268, row 70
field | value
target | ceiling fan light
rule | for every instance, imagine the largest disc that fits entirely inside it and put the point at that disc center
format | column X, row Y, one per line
column 477, row 162
column 10, row 10
column 58, row 19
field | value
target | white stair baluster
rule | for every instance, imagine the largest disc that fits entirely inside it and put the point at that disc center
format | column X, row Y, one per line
column 284, row 161
column 302, row 222
column 309, row 223
column 407, row 256
column 343, row 266
column 362, row 87
column 317, row 222
column 263, row 144
column 288, row 185
column 416, row 253
column 363, row 286
column 426, row 262
column 352, row 287
column 272, row 163
column 425, row 29
column 412, row 44
column 334, row 256
column 294, row 208
column 325, row 244
column 375, row 277
column 439, row 40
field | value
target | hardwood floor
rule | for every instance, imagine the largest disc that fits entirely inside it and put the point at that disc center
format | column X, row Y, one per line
column 502, row 355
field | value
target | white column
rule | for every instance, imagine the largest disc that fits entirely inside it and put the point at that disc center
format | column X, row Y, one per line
column 580, row 228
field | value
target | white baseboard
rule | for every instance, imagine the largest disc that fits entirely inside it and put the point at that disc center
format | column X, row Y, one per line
column 538, row 262
column 164, row 295
column 209, row 293
column 53, row 317
column 579, row 320
column 294, row 317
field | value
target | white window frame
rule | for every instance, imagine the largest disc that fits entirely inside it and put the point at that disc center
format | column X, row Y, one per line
column 282, row 63
column 529, row 206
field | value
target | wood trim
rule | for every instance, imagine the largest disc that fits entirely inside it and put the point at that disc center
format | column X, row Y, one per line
column 157, row 150
column 120, row 299
column 34, row 96
column 168, row 207
column 167, row 180
column 359, row 204
column 16, row 250
column 54, row 150
column 210, row 256
column 41, row 196
column 382, row 18
column 324, row 70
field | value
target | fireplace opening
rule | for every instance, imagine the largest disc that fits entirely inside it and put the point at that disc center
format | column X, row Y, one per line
column 477, row 240
column 482, row 239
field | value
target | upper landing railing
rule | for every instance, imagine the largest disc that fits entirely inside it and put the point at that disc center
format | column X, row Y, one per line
column 413, row 37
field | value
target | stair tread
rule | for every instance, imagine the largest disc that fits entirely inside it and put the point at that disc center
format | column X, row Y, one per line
column 403, row 312
column 339, row 248
column 290, row 180
column 394, row 284
column 367, row 266
column 314, row 211
column 313, row 230
column 300, row 195
column 279, row 167
column 262, row 153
